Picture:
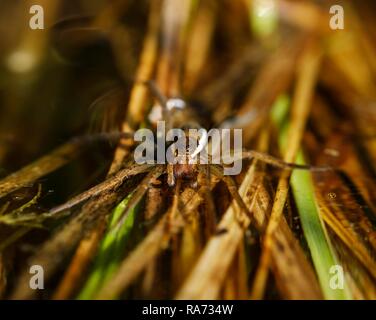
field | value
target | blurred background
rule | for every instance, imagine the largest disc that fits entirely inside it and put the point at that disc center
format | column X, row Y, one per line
column 51, row 79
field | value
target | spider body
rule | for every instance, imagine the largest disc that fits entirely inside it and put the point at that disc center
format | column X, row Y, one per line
column 184, row 168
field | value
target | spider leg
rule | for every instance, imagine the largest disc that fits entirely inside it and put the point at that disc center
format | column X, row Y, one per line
column 109, row 184
column 102, row 136
column 152, row 86
column 232, row 188
column 172, row 223
column 210, row 209
column 279, row 163
column 138, row 193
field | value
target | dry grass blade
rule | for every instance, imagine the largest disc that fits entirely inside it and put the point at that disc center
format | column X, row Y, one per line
column 139, row 94
column 199, row 43
column 136, row 109
column 84, row 252
column 152, row 244
column 206, row 279
column 273, row 79
column 64, row 241
column 348, row 221
column 300, row 110
column 39, row 168
column 358, row 278
column 105, row 186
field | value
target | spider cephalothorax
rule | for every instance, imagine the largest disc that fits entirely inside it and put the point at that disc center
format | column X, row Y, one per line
column 186, row 162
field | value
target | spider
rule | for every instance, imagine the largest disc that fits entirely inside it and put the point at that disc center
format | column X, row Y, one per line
column 177, row 114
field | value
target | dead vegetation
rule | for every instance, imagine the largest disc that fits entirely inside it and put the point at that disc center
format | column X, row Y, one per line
column 102, row 227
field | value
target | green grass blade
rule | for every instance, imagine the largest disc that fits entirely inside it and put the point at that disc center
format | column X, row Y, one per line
column 263, row 17
column 110, row 252
column 301, row 182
